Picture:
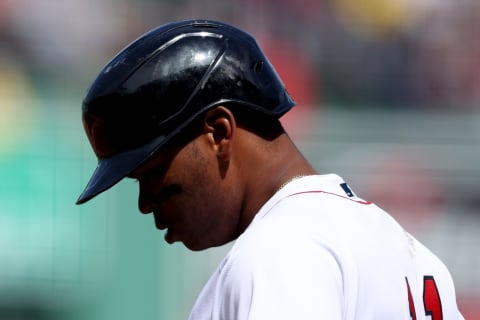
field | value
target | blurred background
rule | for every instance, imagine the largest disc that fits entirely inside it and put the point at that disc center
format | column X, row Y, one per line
column 388, row 95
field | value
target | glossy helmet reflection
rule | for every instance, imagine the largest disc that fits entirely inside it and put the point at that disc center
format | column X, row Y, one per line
column 159, row 83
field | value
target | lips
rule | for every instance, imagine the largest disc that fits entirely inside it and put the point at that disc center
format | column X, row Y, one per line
column 161, row 226
column 160, row 223
column 170, row 236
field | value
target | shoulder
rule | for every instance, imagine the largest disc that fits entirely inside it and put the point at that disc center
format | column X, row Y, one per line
column 281, row 275
column 310, row 217
column 286, row 241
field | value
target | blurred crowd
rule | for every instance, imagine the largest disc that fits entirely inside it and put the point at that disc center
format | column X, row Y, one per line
column 388, row 53
column 332, row 54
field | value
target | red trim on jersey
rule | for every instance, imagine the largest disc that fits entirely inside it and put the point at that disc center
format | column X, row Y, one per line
column 330, row 193
column 316, row 191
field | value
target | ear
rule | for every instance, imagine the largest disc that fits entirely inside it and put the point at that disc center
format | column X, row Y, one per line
column 220, row 126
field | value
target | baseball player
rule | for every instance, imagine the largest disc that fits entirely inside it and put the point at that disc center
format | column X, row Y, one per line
column 190, row 110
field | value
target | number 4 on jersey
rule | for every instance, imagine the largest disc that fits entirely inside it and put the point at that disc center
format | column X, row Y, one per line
column 431, row 299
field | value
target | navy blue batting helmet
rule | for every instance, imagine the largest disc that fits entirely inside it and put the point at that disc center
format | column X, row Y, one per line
column 163, row 80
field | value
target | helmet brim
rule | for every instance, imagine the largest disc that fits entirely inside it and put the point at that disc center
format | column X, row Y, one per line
column 111, row 170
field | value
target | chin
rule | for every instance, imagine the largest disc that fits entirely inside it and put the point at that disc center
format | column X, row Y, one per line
column 195, row 246
column 203, row 246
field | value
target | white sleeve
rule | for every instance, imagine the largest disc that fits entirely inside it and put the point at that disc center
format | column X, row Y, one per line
column 282, row 281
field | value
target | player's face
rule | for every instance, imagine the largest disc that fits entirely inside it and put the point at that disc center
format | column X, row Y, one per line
column 188, row 196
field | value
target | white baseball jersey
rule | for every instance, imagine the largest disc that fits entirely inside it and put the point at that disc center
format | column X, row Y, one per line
column 317, row 251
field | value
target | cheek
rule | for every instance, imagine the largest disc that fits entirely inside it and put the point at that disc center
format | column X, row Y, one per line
column 209, row 219
column 191, row 205
column 204, row 212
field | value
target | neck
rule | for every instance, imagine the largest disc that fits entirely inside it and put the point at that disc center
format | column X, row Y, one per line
column 278, row 163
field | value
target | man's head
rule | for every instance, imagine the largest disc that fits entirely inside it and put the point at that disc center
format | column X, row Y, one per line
column 154, row 89
column 196, row 187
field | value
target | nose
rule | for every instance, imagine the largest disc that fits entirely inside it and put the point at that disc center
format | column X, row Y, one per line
column 145, row 205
